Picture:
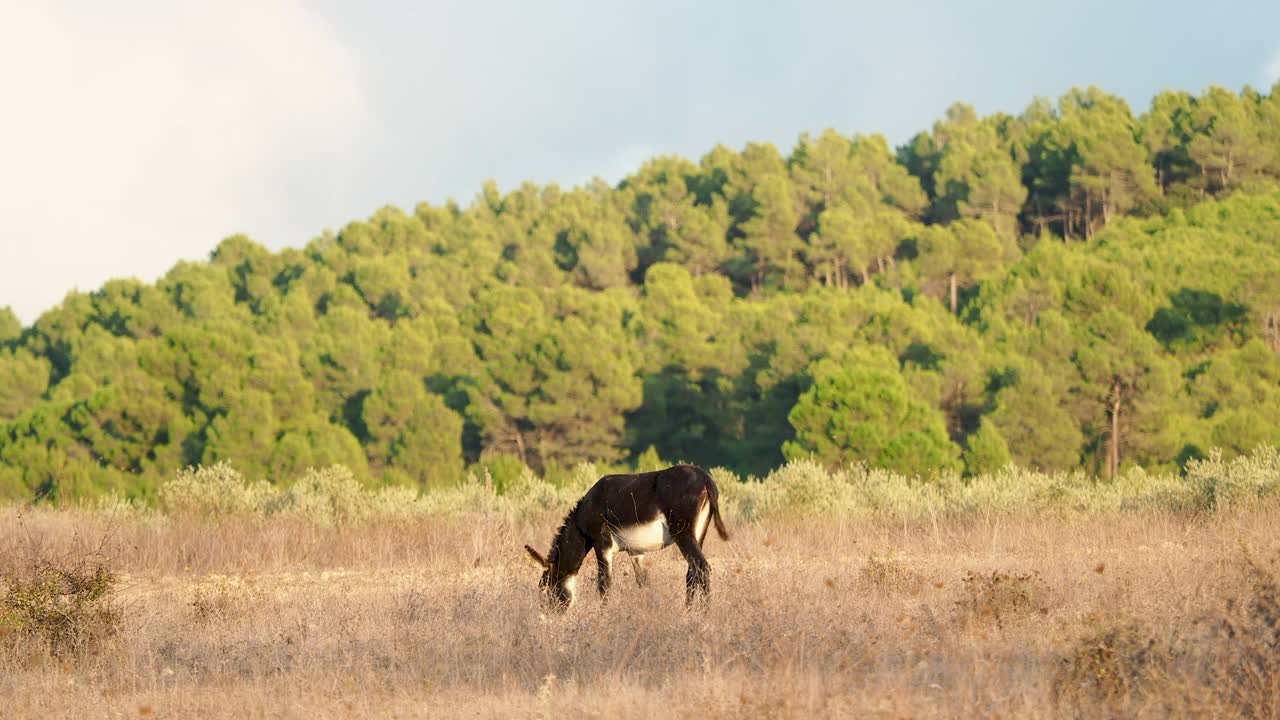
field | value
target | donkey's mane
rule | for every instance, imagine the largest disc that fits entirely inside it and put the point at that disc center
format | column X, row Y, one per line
column 566, row 528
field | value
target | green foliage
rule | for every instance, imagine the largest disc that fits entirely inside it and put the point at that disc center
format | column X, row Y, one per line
column 501, row 470
column 1226, row 141
column 986, row 451
column 10, row 326
column 558, row 375
column 649, row 461
column 969, row 165
column 771, row 246
column 1122, row 372
column 961, row 254
column 23, row 379
column 412, row 430
column 1039, row 431
column 863, row 409
column 1073, row 286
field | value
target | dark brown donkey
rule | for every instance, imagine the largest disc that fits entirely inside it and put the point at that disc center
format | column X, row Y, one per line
column 637, row 514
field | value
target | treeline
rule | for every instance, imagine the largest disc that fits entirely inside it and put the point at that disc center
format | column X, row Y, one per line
column 1074, row 286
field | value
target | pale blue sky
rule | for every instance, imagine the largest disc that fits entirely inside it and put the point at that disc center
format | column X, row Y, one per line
column 142, row 134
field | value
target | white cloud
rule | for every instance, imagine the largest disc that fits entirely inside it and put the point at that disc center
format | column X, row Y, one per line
column 133, row 138
column 135, row 134
column 1273, row 68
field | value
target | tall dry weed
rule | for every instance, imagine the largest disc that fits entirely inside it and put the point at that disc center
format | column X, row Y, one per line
column 1144, row 611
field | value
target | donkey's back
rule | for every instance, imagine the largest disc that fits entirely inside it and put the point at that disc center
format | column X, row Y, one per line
column 677, row 501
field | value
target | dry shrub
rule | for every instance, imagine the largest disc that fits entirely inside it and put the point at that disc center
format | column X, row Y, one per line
column 1111, row 666
column 1244, row 662
column 1228, row 660
column 1000, row 595
column 890, row 574
column 64, row 605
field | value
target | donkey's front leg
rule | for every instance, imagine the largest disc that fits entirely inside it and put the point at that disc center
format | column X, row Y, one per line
column 604, row 569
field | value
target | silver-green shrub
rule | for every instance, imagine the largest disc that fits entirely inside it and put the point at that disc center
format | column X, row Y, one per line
column 1242, row 481
column 801, row 488
column 324, row 496
column 214, row 490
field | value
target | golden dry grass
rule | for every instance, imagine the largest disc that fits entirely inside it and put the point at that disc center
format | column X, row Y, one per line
column 1003, row 616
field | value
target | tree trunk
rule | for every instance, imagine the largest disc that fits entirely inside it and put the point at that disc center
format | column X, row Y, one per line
column 954, row 303
column 1272, row 330
column 1113, row 449
column 1088, row 217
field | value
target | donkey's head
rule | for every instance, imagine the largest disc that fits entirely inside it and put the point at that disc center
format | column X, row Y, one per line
column 559, row 588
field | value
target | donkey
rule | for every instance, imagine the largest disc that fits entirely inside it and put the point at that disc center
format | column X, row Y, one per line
column 637, row 514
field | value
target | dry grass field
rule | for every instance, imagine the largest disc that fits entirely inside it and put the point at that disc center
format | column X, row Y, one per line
column 1146, row 614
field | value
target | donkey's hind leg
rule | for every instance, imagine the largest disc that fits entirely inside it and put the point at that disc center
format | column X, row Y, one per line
column 642, row 575
column 604, row 568
column 698, row 579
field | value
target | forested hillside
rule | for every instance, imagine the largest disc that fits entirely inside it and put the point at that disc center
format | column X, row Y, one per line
column 1074, row 286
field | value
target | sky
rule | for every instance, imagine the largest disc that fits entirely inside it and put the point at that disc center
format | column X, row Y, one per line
column 137, row 134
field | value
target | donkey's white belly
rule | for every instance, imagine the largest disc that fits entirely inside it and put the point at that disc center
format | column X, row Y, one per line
column 645, row 537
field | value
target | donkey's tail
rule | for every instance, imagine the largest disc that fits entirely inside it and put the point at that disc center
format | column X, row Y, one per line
column 714, row 497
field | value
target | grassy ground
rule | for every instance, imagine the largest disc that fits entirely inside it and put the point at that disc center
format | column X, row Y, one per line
column 1137, row 614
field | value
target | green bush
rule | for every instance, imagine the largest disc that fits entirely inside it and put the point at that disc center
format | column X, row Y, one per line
column 214, row 490
column 801, row 488
column 1241, row 481
column 325, row 496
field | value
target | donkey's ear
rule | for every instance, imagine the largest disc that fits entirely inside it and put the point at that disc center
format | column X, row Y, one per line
column 536, row 557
